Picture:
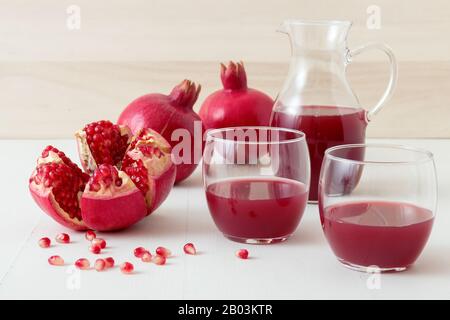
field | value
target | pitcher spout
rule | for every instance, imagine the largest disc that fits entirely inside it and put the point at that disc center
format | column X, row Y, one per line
column 316, row 34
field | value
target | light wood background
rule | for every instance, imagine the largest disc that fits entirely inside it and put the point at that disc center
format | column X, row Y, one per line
column 53, row 80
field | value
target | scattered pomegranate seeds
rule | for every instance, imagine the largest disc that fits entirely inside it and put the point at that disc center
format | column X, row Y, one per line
column 82, row 264
column 139, row 252
column 62, row 238
column 100, row 242
column 146, row 257
column 56, row 261
column 95, row 249
column 109, row 262
column 189, row 249
column 44, row 242
column 126, row 268
column 159, row 260
column 100, row 265
column 90, row 235
column 242, row 254
column 163, row 252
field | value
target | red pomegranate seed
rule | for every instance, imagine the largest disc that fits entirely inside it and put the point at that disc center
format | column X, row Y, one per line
column 100, row 265
column 62, row 238
column 44, row 242
column 126, row 268
column 99, row 242
column 82, row 264
column 163, row 252
column 95, row 249
column 146, row 257
column 189, row 249
column 56, row 261
column 139, row 252
column 242, row 253
column 90, row 235
column 109, row 262
column 159, row 260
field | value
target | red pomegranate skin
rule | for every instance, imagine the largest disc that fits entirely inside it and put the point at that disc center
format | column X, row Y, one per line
column 236, row 104
column 164, row 114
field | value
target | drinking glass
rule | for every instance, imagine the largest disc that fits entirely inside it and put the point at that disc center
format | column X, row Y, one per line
column 377, row 204
column 256, row 181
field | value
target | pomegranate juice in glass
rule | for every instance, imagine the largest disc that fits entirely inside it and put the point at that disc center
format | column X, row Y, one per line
column 256, row 182
column 383, row 221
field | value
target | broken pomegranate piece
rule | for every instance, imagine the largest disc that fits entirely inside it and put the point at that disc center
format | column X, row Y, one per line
column 102, row 142
column 56, row 185
column 111, row 201
column 129, row 178
column 148, row 163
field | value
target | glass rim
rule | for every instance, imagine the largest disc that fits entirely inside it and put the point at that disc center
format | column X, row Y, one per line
column 427, row 155
column 301, row 136
column 318, row 22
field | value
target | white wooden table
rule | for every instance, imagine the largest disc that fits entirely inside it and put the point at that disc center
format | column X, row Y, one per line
column 302, row 267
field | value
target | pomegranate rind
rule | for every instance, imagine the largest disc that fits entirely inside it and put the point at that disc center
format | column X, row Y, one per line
column 162, row 186
column 44, row 197
column 113, row 208
column 161, row 171
column 114, row 213
column 87, row 160
column 46, row 201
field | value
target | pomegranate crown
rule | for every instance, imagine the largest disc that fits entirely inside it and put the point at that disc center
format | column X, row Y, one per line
column 185, row 94
column 233, row 76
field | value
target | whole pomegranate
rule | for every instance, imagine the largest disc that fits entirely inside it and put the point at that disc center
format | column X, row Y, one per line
column 130, row 177
column 166, row 113
column 235, row 105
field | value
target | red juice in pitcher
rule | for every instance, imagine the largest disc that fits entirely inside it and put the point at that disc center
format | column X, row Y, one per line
column 257, row 208
column 385, row 234
column 325, row 127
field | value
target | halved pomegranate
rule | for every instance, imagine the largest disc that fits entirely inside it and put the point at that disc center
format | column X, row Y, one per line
column 116, row 195
column 111, row 201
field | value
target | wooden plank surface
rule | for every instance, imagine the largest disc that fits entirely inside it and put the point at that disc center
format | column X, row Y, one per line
column 54, row 79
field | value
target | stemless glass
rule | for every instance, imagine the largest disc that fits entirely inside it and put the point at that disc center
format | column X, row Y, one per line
column 377, row 204
column 256, row 181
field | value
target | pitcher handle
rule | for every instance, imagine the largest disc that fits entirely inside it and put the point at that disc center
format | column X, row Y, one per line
column 392, row 78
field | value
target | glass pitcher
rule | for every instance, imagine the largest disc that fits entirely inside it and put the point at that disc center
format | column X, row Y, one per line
column 316, row 97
